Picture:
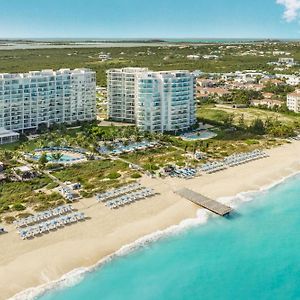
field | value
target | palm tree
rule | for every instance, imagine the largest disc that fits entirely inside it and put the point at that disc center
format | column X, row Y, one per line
column 56, row 156
column 8, row 155
column 41, row 143
column 150, row 161
column 43, row 160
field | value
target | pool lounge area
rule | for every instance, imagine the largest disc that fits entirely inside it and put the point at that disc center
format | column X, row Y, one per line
column 68, row 155
column 64, row 158
column 120, row 148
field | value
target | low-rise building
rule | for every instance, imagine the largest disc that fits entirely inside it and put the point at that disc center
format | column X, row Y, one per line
column 269, row 103
column 8, row 136
column 289, row 79
column 274, row 81
column 104, row 57
column 293, row 101
column 215, row 92
column 268, row 95
column 286, row 60
column 203, row 82
column 210, row 57
column 193, row 57
column 25, row 173
column 293, row 80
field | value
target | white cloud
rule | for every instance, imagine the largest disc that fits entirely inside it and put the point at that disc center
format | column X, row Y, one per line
column 292, row 9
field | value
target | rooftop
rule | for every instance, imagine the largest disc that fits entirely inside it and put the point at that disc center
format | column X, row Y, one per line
column 47, row 72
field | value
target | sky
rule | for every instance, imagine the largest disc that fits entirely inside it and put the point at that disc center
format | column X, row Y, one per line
column 150, row 19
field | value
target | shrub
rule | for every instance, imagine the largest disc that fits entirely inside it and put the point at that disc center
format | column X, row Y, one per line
column 18, row 207
column 252, row 142
column 136, row 175
column 113, row 175
column 9, row 219
column 23, row 215
column 52, row 185
column 180, row 163
column 151, row 167
column 53, row 166
column 85, row 194
column 4, row 208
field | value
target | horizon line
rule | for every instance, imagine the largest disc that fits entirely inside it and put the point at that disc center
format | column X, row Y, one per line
column 151, row 38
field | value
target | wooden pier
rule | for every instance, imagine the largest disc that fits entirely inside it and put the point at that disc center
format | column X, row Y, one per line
column 207, row 203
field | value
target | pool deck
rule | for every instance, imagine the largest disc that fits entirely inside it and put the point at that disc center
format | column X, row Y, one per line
column 198, row 135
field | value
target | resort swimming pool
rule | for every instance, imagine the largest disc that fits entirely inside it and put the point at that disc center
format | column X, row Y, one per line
column 199, row 135
column 64, row 158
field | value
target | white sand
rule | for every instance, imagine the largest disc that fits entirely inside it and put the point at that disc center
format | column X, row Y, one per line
column 29, row 263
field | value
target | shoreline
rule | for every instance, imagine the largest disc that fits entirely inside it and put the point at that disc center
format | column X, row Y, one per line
column 77, row 275
column 133, row 224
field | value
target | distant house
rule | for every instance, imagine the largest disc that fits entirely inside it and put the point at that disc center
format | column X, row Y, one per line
column 273, row 81
column 212, row 57
column 293, row 80
column 202, row 82
column 286, row 60
column 276, row 53
column 193, row 57
column 293, row 101
column 269, row 103
column 283, row 61
column 244, row 86
column 268, row 95
column 104, row 57
column 289, row 79
column 254, row 87
column 206, row 92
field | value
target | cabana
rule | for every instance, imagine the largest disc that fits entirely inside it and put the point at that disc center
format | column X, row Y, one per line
column 8, row 136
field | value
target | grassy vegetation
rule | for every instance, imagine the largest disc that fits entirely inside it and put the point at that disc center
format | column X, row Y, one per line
column 219, row 113
column 155, row 158
column 96, row 175
column 15, row 194
column 156, row 58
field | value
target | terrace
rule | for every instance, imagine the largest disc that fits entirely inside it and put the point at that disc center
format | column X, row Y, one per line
column 120, row 148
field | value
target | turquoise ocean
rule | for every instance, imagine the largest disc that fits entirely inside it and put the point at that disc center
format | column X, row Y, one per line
column 254, row 254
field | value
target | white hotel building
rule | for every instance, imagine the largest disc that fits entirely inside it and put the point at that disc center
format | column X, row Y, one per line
column 155, row 101
column 46, row 97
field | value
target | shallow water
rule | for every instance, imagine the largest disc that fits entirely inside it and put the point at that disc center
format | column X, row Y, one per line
column 255, row 254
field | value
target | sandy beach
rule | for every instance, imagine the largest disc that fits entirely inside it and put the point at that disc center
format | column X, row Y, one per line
column 29, row 263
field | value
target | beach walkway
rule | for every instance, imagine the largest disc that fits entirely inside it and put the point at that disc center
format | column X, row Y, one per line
column 207, row 203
